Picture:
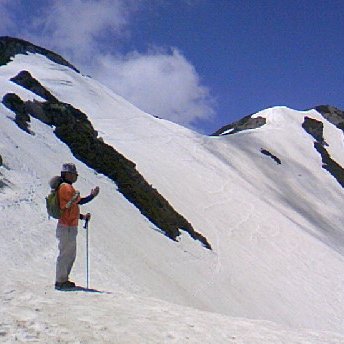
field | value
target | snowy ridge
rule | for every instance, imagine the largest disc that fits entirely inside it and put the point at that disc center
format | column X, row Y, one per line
column 276, row 230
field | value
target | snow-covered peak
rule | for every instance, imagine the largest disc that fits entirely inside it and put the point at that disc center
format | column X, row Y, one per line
column 282, row 116
column 11, row 47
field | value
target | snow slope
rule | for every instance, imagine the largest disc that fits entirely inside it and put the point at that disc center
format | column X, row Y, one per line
column 276, row 230
column 123, row 318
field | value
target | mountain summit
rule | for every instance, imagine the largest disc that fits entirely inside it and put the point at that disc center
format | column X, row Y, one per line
column 253, row 212
column 10, row 47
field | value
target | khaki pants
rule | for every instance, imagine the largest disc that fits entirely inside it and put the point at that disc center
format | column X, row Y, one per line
column 67, row 251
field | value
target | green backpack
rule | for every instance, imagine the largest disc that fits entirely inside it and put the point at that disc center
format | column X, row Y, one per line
column 52, row 201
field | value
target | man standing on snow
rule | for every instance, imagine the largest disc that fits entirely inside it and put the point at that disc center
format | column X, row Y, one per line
column 67, row 226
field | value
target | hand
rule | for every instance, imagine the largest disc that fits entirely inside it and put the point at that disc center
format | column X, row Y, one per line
column 87, row 217
column 95, row 191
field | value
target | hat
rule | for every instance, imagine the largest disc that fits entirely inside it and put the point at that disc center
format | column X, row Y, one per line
column 69, row 167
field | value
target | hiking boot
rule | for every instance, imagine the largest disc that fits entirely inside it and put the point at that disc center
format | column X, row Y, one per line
column 64, row 285
column 69, row 284
column 59, row 285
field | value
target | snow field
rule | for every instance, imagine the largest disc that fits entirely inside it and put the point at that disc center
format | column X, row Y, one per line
column 276, row 230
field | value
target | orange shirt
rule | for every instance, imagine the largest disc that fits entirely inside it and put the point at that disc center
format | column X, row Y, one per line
column 70, row 216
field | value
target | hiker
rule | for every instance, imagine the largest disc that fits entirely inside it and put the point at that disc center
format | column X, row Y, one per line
column 67, row 227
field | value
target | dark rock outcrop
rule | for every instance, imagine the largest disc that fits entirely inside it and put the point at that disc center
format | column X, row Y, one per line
column 244, row 124
column 25, row 79
column 15, row 104
column 10, row 46
column 74, row 129
column 315, row 129
column 333, row 115
column 274, row 157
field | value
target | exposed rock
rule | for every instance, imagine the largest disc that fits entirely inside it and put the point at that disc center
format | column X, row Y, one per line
column 73, row 128
column 10, row 46
column 315, row 129
column 35, row 107
column 329, row 164
column 244, row 124
column 274, row 157
column 15, row 104
column 332, row 114
column 25, row 79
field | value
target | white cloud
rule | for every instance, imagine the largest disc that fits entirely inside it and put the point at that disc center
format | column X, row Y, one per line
column 160, row 83
column 88, row 34
column 77, row 27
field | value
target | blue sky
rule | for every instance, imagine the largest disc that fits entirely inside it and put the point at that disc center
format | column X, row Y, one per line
column 200, row 63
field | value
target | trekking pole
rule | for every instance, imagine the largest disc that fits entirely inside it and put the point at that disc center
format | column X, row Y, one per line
column 87, row 263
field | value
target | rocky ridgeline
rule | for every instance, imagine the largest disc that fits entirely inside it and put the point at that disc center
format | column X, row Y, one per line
column 332, row 114
column 10, row 46
column 243, row 124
